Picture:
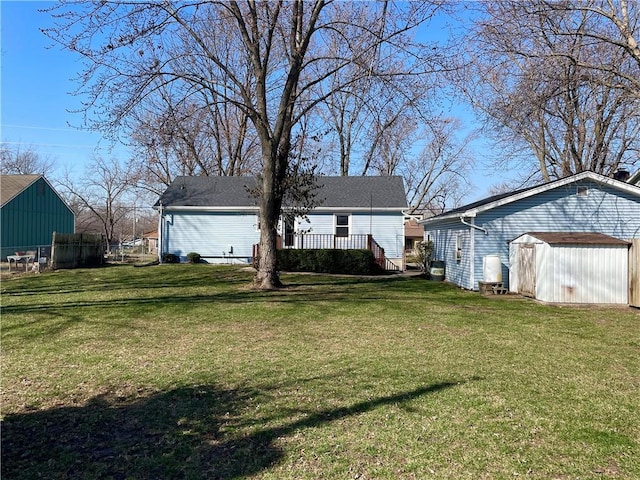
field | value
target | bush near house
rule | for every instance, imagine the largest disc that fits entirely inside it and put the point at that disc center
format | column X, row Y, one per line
column 170, row 258
column 356, row 262
column 193, row 257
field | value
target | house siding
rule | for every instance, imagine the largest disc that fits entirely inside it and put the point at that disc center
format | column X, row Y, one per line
column 386, row 228
column 445, row 238
column 604, row 209
column 212, row 233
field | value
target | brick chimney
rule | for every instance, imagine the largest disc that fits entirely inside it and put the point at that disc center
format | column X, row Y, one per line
column 622, row 175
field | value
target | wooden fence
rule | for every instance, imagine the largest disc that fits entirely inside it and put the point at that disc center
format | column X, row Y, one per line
column 634, row 273
column 73, row 250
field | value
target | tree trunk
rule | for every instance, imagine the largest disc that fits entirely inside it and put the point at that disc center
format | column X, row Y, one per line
column 267, row 277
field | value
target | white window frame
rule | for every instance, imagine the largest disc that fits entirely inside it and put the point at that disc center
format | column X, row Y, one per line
column 336, row 226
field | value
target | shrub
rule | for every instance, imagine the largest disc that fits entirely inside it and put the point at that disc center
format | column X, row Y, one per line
column 193, row 257
column 422, row 254
column 355, row 262
column 170, row 258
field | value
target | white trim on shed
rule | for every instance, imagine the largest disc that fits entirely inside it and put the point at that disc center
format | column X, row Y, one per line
column 570, row 267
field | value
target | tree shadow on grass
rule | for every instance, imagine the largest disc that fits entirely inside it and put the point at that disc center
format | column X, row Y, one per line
column 184, row 433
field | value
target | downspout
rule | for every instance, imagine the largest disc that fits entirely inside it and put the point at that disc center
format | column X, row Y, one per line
column 473, row 225
column 472, row 249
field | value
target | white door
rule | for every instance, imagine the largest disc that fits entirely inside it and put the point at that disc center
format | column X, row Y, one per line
column 527, row 269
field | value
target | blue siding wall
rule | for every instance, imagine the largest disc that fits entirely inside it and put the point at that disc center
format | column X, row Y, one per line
column 604, row 209
column 445, row 238
column 387, row 228
column 212, row 233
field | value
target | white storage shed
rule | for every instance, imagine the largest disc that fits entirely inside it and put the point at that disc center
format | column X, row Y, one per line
column 570, row 267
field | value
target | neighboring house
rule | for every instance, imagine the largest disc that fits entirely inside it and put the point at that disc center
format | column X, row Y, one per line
column 586, row 202
column 31, row 211
column 151, row 242
column 413, row 235
column 217, row 217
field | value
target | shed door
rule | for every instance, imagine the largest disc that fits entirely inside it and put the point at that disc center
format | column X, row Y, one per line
column 527, row 269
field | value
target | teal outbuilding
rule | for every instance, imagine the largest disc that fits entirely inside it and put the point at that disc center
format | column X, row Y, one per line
column 31, row 211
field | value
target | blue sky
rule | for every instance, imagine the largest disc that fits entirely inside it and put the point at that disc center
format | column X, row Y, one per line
column 37, row 81
column 37, row 104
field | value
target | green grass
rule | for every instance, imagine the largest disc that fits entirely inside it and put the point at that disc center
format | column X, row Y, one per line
column 182, row 371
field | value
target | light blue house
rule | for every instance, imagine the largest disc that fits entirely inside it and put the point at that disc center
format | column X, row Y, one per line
column 217, row 217
column 464, row 238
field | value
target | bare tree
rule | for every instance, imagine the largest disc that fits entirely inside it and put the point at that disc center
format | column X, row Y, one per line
column 197, row 135
column 377, row 93
column 439, row 176
column 215, row 47
column 18, row 160
column 615, row 23
column 532, row 73
column 102, row 196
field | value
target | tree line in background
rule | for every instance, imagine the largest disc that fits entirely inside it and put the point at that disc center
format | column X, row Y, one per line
column 279, row 89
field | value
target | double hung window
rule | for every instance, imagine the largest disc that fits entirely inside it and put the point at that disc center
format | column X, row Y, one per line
column 342, row 225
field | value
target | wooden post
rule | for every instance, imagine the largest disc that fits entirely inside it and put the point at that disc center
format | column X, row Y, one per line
column 634, row 273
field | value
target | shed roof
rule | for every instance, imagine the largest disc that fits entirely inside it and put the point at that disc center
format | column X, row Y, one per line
column 334, row 192
column 576, row 238
column 13, row 185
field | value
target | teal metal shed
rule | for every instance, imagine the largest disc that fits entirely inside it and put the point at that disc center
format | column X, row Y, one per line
column 31, row 211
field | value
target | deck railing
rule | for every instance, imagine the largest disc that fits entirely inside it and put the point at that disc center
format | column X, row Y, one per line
column 318, row 240
column 308, row 241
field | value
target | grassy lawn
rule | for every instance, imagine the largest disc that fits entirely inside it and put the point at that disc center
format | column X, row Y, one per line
column 181, row 371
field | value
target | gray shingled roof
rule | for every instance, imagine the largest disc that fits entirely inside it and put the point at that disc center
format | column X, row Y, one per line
column 337, row 192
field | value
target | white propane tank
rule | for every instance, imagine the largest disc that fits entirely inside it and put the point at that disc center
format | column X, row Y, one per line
column 492, row 268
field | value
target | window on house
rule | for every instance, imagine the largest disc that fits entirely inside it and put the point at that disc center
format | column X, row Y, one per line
column 582, row 191
column 288, row 231
column 342, row 225
column 459, row 246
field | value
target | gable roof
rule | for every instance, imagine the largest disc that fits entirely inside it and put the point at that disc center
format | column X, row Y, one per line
column 12, row 185
column 472, row 209
column 225, row 193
